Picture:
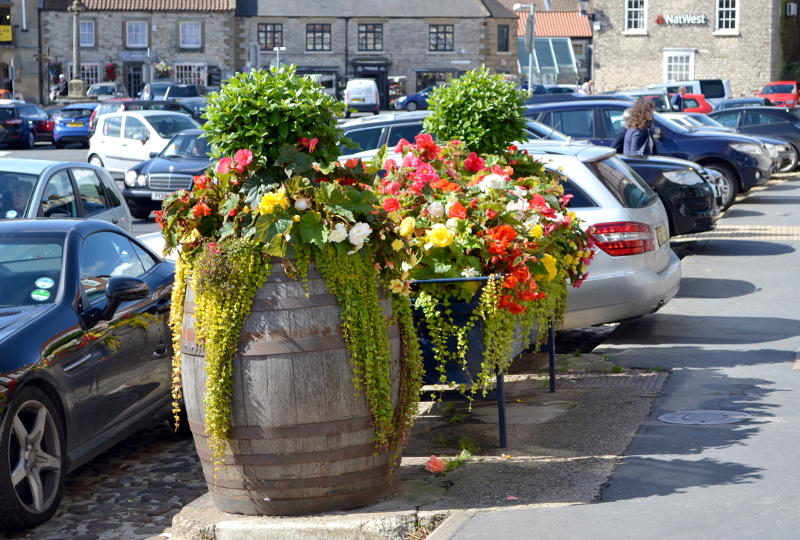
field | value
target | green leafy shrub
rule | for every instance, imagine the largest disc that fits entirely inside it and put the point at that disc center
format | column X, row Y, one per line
column 264, row 111
column 478, row 108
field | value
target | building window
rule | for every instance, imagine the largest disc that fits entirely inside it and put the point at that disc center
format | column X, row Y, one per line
column 191, row 73
column 270, row 36
column 370, row 37
column 191, row 35
column 727, row 16
column 678, row 65
column 136, row 34
column 90, row 73
column 318, row 37
column 440, row 37
column 502, row 38
column 86, row 33
column 635, row 16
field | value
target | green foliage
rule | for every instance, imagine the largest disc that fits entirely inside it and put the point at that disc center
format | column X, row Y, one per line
column 479, row 109
column 266, row 111
column 616, row 368
column 459, row 461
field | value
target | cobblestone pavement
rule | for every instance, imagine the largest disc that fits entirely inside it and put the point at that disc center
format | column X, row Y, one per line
column 129, row 492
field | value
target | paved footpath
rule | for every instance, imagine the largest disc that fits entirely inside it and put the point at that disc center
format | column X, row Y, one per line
column 730, row 338
column 129, row 492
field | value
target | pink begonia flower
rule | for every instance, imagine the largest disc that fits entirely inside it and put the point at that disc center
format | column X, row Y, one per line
column 225, row 165
column 242, row 159
column 435, row 465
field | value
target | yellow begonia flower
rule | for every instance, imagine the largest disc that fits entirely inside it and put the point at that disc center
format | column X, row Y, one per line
column 270, row 200
column 407, row 226
column 537, row 231
column 549, row 263
column 191, row 237
column 397, row 286
column 397, row 245
column 439, row 235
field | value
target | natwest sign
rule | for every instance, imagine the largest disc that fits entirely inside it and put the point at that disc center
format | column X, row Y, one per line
column 685, row 18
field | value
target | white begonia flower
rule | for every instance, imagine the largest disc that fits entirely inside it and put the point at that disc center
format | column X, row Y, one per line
column 301, row 204
column 452, row 224
column 532, row 221
column 470, row 272
column 358, row 234
column 436, row 209
column 519, row 205
column 520, row 191
column 492, row 181
column 338, row 234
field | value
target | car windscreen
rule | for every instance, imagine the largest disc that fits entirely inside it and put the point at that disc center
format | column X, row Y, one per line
column 537, row 130
column 15, row 193
column 712, row 89
column 192, row 146
column 75, row 113
column 626, row 186
column 7, row 113
column 100, row 91
column 183, row 91
column 778, row 89
column 30, row 269
column 168, row 125
column 701, row 119
column 671, row 124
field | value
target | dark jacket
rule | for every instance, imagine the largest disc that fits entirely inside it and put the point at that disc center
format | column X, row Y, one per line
column 618, row 142
column 677, row 102
column 639, row 142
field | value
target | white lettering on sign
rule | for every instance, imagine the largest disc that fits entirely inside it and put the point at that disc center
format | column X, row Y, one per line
column 685, row 18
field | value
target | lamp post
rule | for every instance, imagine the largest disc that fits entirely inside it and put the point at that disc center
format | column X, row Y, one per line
column 77, row 87
column 530, row 35
column 278, row 51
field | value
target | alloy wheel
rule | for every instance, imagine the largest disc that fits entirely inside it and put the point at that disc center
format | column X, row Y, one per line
column 35, row 457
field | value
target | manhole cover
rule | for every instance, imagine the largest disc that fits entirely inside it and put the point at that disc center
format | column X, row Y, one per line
column 704, row 417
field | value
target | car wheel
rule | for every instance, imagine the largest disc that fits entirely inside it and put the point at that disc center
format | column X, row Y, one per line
column 730, row 185
column 94, row 159
column 411, row 106
column 792, row 165
column 32, row 460
column 58, row 144
column 30, row 142
column 140, row 213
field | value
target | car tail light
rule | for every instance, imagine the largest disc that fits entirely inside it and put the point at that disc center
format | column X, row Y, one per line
column 92, row 119
column 15, row 122
column 623, row 238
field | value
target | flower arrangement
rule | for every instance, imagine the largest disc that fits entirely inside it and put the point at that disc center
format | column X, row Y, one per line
column 162, row 67
column 110, row 72
column 459, row 215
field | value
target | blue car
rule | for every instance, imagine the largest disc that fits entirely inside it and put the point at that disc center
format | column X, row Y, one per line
column 412, row 102
column 72, row 124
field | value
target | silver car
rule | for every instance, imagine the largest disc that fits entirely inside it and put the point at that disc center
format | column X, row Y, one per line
column 32, row 188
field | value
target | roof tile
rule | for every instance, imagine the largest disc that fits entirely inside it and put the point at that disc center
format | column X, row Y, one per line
column 144, row 5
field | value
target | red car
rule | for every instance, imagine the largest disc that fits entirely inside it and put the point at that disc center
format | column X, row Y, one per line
column 696, row 103
column 782, row 93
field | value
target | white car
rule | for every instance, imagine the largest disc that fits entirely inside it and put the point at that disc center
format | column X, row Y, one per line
column 634, row 272
column 122, row 140
column 107, row 90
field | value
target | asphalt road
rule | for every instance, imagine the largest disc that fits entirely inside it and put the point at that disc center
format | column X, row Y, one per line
column 73, row 152
column 730, row 339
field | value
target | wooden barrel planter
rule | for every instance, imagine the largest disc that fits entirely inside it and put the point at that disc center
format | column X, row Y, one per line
column 301, row 436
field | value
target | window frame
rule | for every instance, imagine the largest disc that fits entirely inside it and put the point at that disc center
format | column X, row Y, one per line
column 434, row 33
column 87, row 45
column 367, row 31
column 627, row 9
column 317, row 33
column 507, row 38
column 192, row 47
column 90, row 72
column 718, row 9
column 128, row 34
column 194, row 70
column 675, row 52
column 267, row 30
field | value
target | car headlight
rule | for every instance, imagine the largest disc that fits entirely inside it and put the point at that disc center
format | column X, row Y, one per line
column 774, row 149
column 142, row 180
column 130, row 178
column 686, row 177
column 402, row 99
column 748, row 148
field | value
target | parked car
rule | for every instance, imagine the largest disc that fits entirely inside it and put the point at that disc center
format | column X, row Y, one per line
column 143, row 105
column 179, row 91
column 737, row 103
column 696, row 103
column 742, row 161
column 32, row 188
column 124, row 139
column 781, row 93
column 784, row 155
column 660, row 99
column 72, row 124
column 24, row 124
column 84, row 353
column 412, row 102
column 712, row 89
column 361, row 95
column 149, row 182
column 107, row 90
column 634, row 272
column 764, row 122
column 197, row 106
column 154, row 90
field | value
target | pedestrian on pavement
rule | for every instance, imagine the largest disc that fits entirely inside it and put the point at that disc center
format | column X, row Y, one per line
column 639, row 139
column 61, row 88
column 677, row 99
column 586, row 88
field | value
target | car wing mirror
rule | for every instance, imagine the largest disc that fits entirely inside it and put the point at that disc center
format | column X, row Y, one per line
column 153, row 155
column 122, row 289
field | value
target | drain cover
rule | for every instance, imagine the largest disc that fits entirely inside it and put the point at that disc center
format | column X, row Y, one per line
column 704, row 417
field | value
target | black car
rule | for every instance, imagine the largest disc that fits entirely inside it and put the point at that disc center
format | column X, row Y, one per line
column 742, row 161
column 24, row 124
column 84, row 353
column 149, row 182
column 763, row 122
column 735, row 103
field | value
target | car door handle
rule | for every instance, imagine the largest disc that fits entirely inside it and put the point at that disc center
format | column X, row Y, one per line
column 77, row 363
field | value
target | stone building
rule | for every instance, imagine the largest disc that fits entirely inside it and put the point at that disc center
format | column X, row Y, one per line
column 190, row 41
column 19, row 48
column 642, row 42
column 405, row 46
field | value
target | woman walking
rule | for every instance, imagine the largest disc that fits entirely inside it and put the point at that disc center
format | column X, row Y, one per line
column 639, row 139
